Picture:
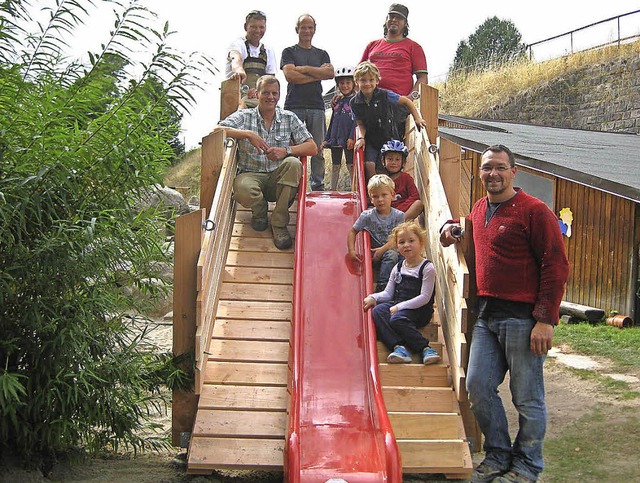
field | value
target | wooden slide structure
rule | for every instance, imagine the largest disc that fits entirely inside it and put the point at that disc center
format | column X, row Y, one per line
column 288, row 375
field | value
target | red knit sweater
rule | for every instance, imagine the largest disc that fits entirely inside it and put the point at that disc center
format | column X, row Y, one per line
column 520, row 254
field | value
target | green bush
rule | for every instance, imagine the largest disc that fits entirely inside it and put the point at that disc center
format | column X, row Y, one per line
column 77, row 143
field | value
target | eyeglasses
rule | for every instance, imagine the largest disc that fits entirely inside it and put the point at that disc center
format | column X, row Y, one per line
column 499, row 169
column 255, row 13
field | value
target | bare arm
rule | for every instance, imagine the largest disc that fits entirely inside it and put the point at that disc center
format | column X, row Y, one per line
column 305, row 74
column 411, row 107
column 259, row 143
column 237, row 66
column 306, row 148
column 351, row 245
column 421, row 78
column 361, row 132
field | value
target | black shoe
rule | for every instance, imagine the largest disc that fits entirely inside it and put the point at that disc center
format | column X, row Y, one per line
column 486, row 472
column 259, row 223
column 281, row 237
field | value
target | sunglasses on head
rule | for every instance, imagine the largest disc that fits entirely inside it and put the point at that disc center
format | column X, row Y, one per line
column 255, row 13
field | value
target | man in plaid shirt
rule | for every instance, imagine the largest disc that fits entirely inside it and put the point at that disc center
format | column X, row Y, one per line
column 270, row 139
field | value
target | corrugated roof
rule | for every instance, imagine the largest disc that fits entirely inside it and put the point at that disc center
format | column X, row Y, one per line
column 606, row 161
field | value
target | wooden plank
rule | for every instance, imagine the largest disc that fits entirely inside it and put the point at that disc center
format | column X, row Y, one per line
column 432, row 399
column 418, row 425
column 212, row 155
column 258, row 292
column 255, row 260
column 417, row 375
column 216, row 396
column 450, row 172
column 252, row 329
column 435, row 456
column 187, row 249
column 240, row 424
column 240, row 453
column 429, row 110
column 232, row 309
column 229, row 97
column 244, row 230
column 258, row 275
column 244, row 373
column 264, row 245
column 243, row 216
column 248, row 350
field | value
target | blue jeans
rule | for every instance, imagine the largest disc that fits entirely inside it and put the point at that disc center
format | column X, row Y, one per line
column 499, row 345
column 387, row 262
column 400, row 328
column 316, row 123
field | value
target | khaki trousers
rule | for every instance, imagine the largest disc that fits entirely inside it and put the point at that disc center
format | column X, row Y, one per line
column 254, row 190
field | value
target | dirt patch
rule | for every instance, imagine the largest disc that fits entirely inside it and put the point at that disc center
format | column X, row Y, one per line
column 569, row 398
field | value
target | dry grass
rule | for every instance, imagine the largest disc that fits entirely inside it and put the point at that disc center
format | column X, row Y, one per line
column 468, row 96
column 185, row 174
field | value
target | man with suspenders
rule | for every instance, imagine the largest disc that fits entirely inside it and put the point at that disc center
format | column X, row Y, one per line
column 248, row 59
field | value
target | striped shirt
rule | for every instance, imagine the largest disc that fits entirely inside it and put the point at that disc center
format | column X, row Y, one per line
column 285, row 127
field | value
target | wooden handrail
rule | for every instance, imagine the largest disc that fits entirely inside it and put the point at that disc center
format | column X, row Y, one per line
column 218, row 227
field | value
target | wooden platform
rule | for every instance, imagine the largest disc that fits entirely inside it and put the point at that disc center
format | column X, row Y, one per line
column 242, row 412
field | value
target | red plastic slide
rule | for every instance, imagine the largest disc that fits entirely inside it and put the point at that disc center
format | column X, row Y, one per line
column 338, row 426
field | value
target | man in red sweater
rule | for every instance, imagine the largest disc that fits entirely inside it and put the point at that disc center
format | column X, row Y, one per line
column 521, row 272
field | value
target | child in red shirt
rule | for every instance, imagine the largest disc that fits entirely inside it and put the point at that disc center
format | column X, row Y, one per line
column 407, row 199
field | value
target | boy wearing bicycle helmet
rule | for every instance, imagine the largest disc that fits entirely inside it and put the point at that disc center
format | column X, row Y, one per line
column 394, row 156
column 340, row 133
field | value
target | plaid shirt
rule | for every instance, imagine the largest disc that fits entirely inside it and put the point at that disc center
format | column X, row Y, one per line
column 285, row 127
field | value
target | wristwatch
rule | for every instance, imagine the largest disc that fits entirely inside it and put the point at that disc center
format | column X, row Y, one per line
column 288, row 149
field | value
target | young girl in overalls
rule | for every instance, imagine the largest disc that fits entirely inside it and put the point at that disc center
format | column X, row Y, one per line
column 406, row 304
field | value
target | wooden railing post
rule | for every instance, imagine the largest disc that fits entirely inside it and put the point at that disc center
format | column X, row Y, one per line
column 429, row 110
column 229, row 97
column 188, row 238
column 212, row 155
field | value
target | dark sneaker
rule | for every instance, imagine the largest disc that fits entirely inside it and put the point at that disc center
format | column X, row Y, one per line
column 259, row 223
column 485, row 472
column 513, row 477
column 281, row 237
column 399, row 355
column 430, row 356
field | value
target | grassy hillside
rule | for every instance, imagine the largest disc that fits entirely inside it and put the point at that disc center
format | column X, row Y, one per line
column 470, row 95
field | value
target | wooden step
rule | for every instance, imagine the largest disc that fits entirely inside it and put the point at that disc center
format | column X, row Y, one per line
column 435, row 457
column 236, row 453
column 240, row 424
column 248, row 351
column 258, row 292
column 432, row 399
column 422, row 425
column 257, row 330
column 245, row 373
column 218, row 396
column 254, row 260
column 258, row 275
column 263, row 245
column 247, row 310
column 417, row 375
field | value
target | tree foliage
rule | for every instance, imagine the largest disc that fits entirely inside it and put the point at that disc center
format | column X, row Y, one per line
column 492, row 44
column 78, row 143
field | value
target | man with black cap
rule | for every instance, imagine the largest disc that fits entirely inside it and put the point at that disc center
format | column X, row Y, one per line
column 397, row 57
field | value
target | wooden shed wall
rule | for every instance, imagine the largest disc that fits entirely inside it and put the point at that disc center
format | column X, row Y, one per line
column 601, row 248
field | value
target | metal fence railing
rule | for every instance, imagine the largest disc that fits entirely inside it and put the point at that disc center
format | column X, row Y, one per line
column 611, row 31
